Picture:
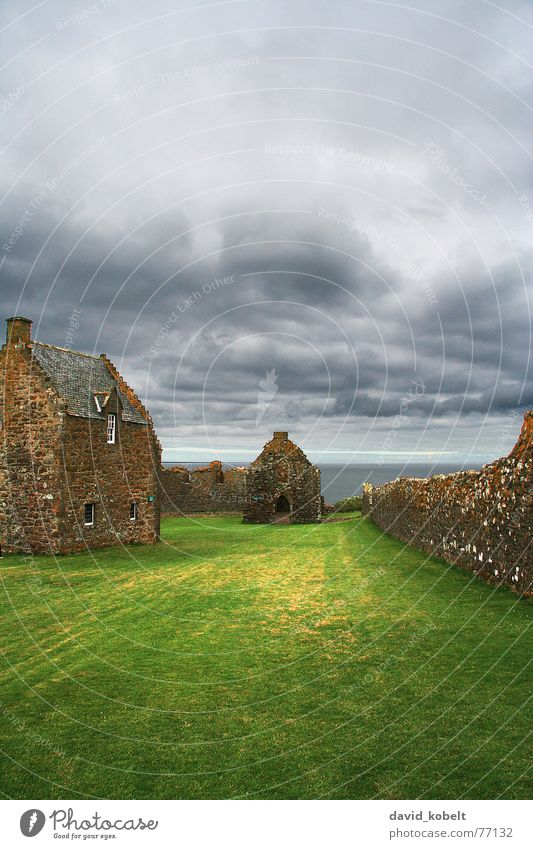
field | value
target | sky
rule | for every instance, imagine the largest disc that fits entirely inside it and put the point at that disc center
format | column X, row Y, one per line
column 303, row 216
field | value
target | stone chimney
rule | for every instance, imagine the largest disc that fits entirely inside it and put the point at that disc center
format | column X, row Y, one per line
column 18, row 330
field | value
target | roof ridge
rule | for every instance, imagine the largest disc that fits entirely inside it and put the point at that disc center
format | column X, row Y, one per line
column 65, row 350
column 293, row 450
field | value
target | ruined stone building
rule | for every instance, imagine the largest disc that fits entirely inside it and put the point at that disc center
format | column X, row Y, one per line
column 207, row 489
column 282, row 485
column 482, row 521
column 78, row 452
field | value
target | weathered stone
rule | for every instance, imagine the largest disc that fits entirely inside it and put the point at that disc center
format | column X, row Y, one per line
column 208, row 489
column 53, row 462
column 282, row 484
column 482, row 521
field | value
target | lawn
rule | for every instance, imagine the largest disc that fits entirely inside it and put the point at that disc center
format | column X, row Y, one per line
column 261, row 661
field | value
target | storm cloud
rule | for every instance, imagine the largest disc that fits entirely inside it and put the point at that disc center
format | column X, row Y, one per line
column 304, row 216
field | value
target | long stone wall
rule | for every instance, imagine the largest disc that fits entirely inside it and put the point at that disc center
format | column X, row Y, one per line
column 482, row 521
column 209, row 489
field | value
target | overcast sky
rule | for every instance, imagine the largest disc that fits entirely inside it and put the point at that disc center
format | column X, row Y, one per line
column 299, row 215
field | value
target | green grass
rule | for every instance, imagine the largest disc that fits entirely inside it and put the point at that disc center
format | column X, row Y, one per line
column 261, row 661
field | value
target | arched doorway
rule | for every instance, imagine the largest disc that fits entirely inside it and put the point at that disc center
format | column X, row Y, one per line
column 283, row 509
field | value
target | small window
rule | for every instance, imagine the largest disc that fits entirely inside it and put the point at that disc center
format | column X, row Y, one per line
column 111, row 428
column 133, row 511
column 88, row 511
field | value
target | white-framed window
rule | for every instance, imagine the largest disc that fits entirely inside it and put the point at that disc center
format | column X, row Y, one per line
column 133, row 511
column 88, row 515
column 111, row 428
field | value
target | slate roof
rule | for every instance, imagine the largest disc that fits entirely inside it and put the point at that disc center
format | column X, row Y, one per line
column 78, row 377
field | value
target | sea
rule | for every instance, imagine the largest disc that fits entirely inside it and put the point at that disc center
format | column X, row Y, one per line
column 341, row 481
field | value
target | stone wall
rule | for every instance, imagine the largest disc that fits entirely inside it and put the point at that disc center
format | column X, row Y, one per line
column 111, row 476
column 207, row 489
column 482, row 521
column 32, row 420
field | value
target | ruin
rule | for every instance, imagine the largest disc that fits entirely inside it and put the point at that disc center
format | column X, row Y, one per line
column 282, row 485
column 482, row 521
column 80, row 466
column 207, row 489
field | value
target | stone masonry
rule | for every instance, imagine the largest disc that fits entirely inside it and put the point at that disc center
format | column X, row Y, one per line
column 56, row 457
column 209, row 489
column 282, row 484
column 482, row 521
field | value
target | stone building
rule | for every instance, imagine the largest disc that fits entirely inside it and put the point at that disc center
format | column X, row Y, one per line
column 78, row 452
column 282, row 485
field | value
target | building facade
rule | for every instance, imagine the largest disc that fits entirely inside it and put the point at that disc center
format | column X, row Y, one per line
column 78, row 452
column 282, row 485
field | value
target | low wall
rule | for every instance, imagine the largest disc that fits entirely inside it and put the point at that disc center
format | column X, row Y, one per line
column 208, row 489
column 482, row 521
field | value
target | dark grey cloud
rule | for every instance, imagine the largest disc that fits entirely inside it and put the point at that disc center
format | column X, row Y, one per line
column 279, row 214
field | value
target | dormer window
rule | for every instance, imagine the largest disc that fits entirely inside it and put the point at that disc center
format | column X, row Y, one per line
column 111, row 429
column 100, row 400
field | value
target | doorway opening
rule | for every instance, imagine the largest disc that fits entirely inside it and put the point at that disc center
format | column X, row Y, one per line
column 283, row 509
